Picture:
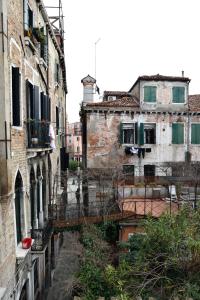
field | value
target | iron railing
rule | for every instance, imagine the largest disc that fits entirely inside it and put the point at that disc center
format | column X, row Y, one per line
column 41, row 237
column 38, row 134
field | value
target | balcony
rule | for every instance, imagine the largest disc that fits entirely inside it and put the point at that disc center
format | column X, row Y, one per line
column 38, row 134
column 41, row 237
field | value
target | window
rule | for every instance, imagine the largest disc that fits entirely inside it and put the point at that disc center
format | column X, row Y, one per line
column 178, row 94
column 78, row 149
column 177, row 133
column 149, row 133
column 15, row 96
column 195, row 134
column 19, row 207
column 128, row 169
column 149, row 171
column 150, row 93
column 77, row 138
column 28, row 17
column 57, row 120
column 128, row 133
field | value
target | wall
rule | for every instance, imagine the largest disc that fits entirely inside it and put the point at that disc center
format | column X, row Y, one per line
column 104, row 149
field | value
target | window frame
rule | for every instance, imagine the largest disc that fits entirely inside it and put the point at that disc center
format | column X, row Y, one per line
column 20, row 126
column 197, row 144
column 173, row 87
column 179, row 123
column 154, row 128
column 150, row 101
column 132, row 127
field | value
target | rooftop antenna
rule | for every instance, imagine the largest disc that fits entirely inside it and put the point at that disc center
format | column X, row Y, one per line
column 95, row 56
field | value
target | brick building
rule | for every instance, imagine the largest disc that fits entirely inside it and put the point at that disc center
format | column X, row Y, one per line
column 74, row 141
column 146, row 132
column 32, row 135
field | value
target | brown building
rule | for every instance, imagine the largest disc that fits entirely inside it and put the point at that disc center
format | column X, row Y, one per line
column 32, row 132
column 148, row 137
column 74, row 141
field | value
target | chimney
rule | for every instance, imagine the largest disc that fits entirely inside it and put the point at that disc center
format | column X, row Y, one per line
column 182, row 73
column 88, row 88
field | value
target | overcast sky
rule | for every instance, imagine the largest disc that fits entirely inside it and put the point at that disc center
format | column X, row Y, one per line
column 137, row 37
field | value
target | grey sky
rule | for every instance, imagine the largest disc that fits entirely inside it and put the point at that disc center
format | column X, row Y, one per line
column 137, row 37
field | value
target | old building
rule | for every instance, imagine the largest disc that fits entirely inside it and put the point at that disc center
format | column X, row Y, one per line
column 74, row 141
column 32, row 134
column 148, row 132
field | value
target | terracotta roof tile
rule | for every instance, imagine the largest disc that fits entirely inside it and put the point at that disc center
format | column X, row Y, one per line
column 194, row 102
column 115, row 93
column 153, row 207
column 123, row 102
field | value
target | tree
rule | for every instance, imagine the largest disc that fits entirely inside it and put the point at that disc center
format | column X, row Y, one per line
column 166, row 261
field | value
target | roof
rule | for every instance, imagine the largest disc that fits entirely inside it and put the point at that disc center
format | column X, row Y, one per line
column 115, row 93
column 123, row 102
column 194, row 102
column 152, row 207
column 88, row 79
column 159, row 77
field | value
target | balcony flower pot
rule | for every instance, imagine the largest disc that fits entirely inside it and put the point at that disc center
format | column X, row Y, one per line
column 26, row 243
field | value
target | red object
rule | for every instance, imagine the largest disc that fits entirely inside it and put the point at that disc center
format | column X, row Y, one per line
column 26, row 243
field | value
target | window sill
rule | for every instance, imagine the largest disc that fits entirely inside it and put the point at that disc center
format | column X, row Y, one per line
column 20, row 252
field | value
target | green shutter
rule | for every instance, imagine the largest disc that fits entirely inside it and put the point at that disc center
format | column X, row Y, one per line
column 177, row 133
column 150, row 93
column 178, row 94
column 141, row 134
column 136, row 133
column 120, row 133
column 195, row 135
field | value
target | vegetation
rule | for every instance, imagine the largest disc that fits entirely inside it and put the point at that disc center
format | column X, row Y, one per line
column 73, row 165
column 163, row 263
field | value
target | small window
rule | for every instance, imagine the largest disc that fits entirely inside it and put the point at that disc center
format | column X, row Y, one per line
column 149, row 171
column 195, row 134
column 77, row 138
column 128, row 133
column 178, row 94
column 128, row 169
column 78, row 149
column 15, row 96
column 150, row 93
column 177, row 133
column 149, row 133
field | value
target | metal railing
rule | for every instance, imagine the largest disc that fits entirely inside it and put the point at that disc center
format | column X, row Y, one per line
column 38, row 134
column 41, row 237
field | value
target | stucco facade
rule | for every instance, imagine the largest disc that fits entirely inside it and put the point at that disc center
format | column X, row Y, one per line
column 33, row 89
column 147, row 127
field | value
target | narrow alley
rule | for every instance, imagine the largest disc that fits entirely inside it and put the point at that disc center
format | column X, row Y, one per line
column 66, row 267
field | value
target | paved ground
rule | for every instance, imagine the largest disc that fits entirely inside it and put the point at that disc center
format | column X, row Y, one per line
column 66, row 267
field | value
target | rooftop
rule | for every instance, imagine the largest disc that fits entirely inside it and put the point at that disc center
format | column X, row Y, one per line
column 194, row 102
column 123, row 102
column 159, row 77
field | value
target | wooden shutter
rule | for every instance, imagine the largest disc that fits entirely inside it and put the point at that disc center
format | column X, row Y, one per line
column 141, row 134
column 42, row 106
column 177, row 133
column 15, row 97
column 121, row 133
column 150, row 93
column 195, row 133
column 136, row 133
column 36, row 103
column 178, row 94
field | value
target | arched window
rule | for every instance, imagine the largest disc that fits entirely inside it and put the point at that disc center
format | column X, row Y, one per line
column 19, row 206
column 32, row 196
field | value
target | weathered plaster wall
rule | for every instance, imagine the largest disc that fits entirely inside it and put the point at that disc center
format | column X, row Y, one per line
column 104, row 149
